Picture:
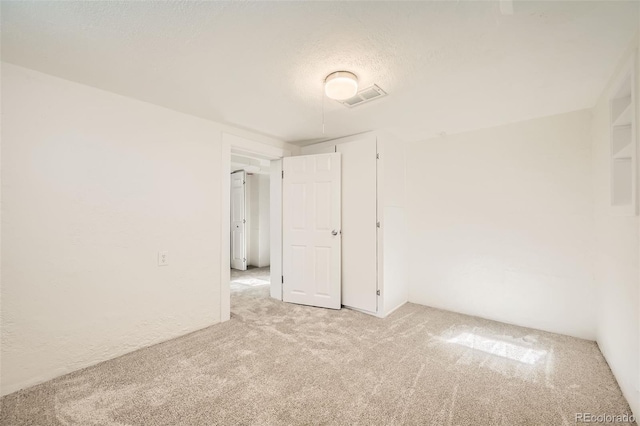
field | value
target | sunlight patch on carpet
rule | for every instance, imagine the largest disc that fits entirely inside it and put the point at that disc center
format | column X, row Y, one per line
column 251, row 281
column 499, row 348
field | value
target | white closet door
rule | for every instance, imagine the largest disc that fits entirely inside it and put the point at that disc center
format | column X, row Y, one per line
column 238, row 221
column 359, row 237
column 311, row 230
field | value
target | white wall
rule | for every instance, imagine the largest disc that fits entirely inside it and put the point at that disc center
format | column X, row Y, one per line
column 392, row 201
column 94, row 185
column 258, row 219
column 501, row 224
column 617, row 258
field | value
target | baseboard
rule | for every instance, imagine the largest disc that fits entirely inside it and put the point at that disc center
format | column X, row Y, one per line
column 396, row 308
column 376, row 314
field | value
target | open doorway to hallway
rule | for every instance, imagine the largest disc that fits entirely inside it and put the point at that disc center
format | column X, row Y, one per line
column 251, row 156
column 250, row 222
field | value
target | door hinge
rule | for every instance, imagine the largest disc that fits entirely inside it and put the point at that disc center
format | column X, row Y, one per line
column 377, row 156
column 244, row 220
column 378, row 292
column 282, row 276
column 243, row 182
column 283, row 174
column 377, row 224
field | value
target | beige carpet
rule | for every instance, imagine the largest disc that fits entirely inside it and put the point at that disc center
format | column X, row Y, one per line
column 252, row 276
column 276, row 363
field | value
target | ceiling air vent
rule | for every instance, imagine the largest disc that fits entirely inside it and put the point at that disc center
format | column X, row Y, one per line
column 365, row 95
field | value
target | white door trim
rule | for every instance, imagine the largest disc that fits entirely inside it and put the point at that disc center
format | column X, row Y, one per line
column 275, row 236
column 235, row 142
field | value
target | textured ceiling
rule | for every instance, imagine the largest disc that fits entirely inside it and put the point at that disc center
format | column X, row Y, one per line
column 447, row 66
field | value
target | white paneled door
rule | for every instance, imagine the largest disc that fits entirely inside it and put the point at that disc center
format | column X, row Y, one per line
column 238, row 221
column 311, row 230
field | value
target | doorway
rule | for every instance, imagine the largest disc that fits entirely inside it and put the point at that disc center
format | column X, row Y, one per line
column 250, row 221
column 273, row 152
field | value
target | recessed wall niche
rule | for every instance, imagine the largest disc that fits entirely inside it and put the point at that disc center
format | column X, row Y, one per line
column 623, row 145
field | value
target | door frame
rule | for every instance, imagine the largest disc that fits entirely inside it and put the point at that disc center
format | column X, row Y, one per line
column 235, row 143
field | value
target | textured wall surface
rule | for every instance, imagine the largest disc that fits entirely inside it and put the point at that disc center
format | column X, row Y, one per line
column 261, row 65
column 501, row 224
column 93, row 186
column 617, row 260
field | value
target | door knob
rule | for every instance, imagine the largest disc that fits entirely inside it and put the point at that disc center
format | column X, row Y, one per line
column 334, row 232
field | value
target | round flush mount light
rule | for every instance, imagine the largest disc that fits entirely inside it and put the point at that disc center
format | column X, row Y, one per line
column 341, row 85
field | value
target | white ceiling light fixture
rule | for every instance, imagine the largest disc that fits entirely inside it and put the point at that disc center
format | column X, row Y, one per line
column 341, row 85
